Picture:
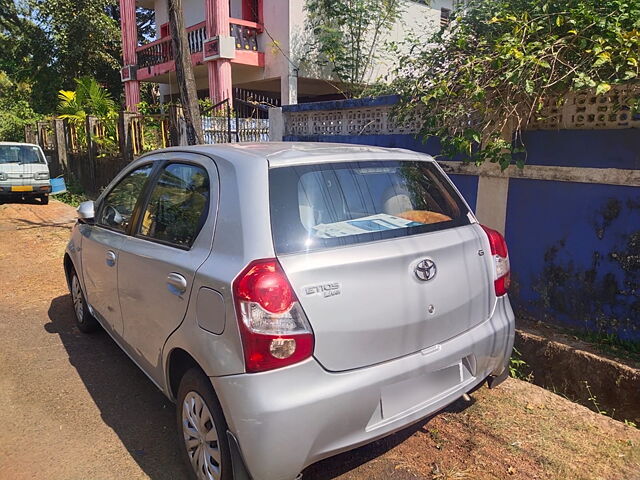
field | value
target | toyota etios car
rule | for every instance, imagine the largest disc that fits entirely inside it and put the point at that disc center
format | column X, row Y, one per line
column 295, row 300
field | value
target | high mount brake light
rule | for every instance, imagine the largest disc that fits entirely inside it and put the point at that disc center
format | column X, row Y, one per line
column 500, row 255
column 275, row 331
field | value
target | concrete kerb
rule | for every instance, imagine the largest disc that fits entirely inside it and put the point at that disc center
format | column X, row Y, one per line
column 567, row 368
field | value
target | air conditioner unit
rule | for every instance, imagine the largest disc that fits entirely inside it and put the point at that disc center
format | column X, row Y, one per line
column 219, row 47
column 128, row 73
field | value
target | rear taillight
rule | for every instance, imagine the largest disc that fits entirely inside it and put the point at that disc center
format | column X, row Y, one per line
column 275, row 331
column 500, row 256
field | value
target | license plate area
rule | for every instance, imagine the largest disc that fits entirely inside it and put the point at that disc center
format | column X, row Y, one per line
column 420, row 391
column 22, row 188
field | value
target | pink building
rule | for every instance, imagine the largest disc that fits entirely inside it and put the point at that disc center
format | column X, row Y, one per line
column 255, row 45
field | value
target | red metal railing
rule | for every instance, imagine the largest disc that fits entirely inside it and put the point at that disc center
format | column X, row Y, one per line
column 161, row 51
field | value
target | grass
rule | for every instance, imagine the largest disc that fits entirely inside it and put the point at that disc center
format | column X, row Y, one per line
column 74, row 195
column 610, row 343
column 606, row 343
column 548, row 430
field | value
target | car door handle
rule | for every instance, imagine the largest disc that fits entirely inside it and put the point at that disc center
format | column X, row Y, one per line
column 111, row 258
column 176, row 284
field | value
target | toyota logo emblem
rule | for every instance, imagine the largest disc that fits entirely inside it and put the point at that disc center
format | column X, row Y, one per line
column 426, row 270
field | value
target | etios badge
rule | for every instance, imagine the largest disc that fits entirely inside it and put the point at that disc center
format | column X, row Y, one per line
column 426, row 270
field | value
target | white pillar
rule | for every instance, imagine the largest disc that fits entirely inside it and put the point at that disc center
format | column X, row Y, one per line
column 289, row 88
column 276, row 124
column 491, row 204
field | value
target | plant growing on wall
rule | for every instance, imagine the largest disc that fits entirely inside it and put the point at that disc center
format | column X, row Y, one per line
column 347, row 36
column 489, row 74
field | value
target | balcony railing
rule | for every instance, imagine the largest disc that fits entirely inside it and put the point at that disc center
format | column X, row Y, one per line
column 161, row 51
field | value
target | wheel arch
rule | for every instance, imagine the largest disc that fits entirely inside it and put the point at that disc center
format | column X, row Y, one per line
column 68, row 267
column 179, row 362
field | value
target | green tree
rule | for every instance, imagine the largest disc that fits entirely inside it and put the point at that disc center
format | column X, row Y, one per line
column 15, row 78
column 48, row 43
column 15, row 110
column 493, row 69
column 348, row 36
column 45, row 44
column 85, row 40
column 25, row 55
column 9, row 17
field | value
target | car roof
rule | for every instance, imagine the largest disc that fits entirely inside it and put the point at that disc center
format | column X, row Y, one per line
column 296, row 153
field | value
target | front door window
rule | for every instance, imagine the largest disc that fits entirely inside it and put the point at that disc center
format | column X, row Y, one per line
column 117, row 208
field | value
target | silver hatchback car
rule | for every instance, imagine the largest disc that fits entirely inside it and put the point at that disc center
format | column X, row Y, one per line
column 295, row 300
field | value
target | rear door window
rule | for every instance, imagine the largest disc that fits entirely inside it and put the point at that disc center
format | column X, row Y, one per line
column 322, row 206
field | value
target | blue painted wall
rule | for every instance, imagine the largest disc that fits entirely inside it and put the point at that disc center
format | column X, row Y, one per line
column 574, row 252
column 584, row 148
column 576, row 247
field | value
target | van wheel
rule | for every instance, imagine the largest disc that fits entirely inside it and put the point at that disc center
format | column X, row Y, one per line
column 44, row 200
column 85, row 322
column 202, row 429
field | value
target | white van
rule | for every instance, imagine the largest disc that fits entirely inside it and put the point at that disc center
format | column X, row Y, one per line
column 24, row 172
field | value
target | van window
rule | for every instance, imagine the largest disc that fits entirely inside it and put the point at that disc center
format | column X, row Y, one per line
column 336, row 204
column 21, row 154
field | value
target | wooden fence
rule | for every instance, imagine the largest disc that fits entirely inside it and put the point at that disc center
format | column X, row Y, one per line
column 92, row 151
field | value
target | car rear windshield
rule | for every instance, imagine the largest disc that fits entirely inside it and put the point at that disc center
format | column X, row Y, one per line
column 315, row 207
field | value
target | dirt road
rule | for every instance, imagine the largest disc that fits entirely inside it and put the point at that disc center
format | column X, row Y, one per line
column 75, row 407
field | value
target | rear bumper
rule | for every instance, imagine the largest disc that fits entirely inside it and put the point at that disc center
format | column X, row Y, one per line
column 290, row 418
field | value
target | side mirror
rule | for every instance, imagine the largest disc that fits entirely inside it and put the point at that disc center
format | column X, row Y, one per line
column 86, row 211
column 48, row 158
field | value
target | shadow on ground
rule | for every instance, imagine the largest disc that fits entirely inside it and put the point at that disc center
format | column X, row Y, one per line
column 27, row 200
column 143, row 418
column 22, row 224
column 341, row 464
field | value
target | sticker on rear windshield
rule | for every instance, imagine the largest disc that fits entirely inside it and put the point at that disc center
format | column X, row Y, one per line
column 372, row 223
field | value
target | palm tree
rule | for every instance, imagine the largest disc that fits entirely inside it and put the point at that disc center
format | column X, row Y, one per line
column 90, row 98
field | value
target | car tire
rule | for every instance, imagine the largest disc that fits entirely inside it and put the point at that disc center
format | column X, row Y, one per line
column 44, row 200
column 202, row 429
column 85, row 322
